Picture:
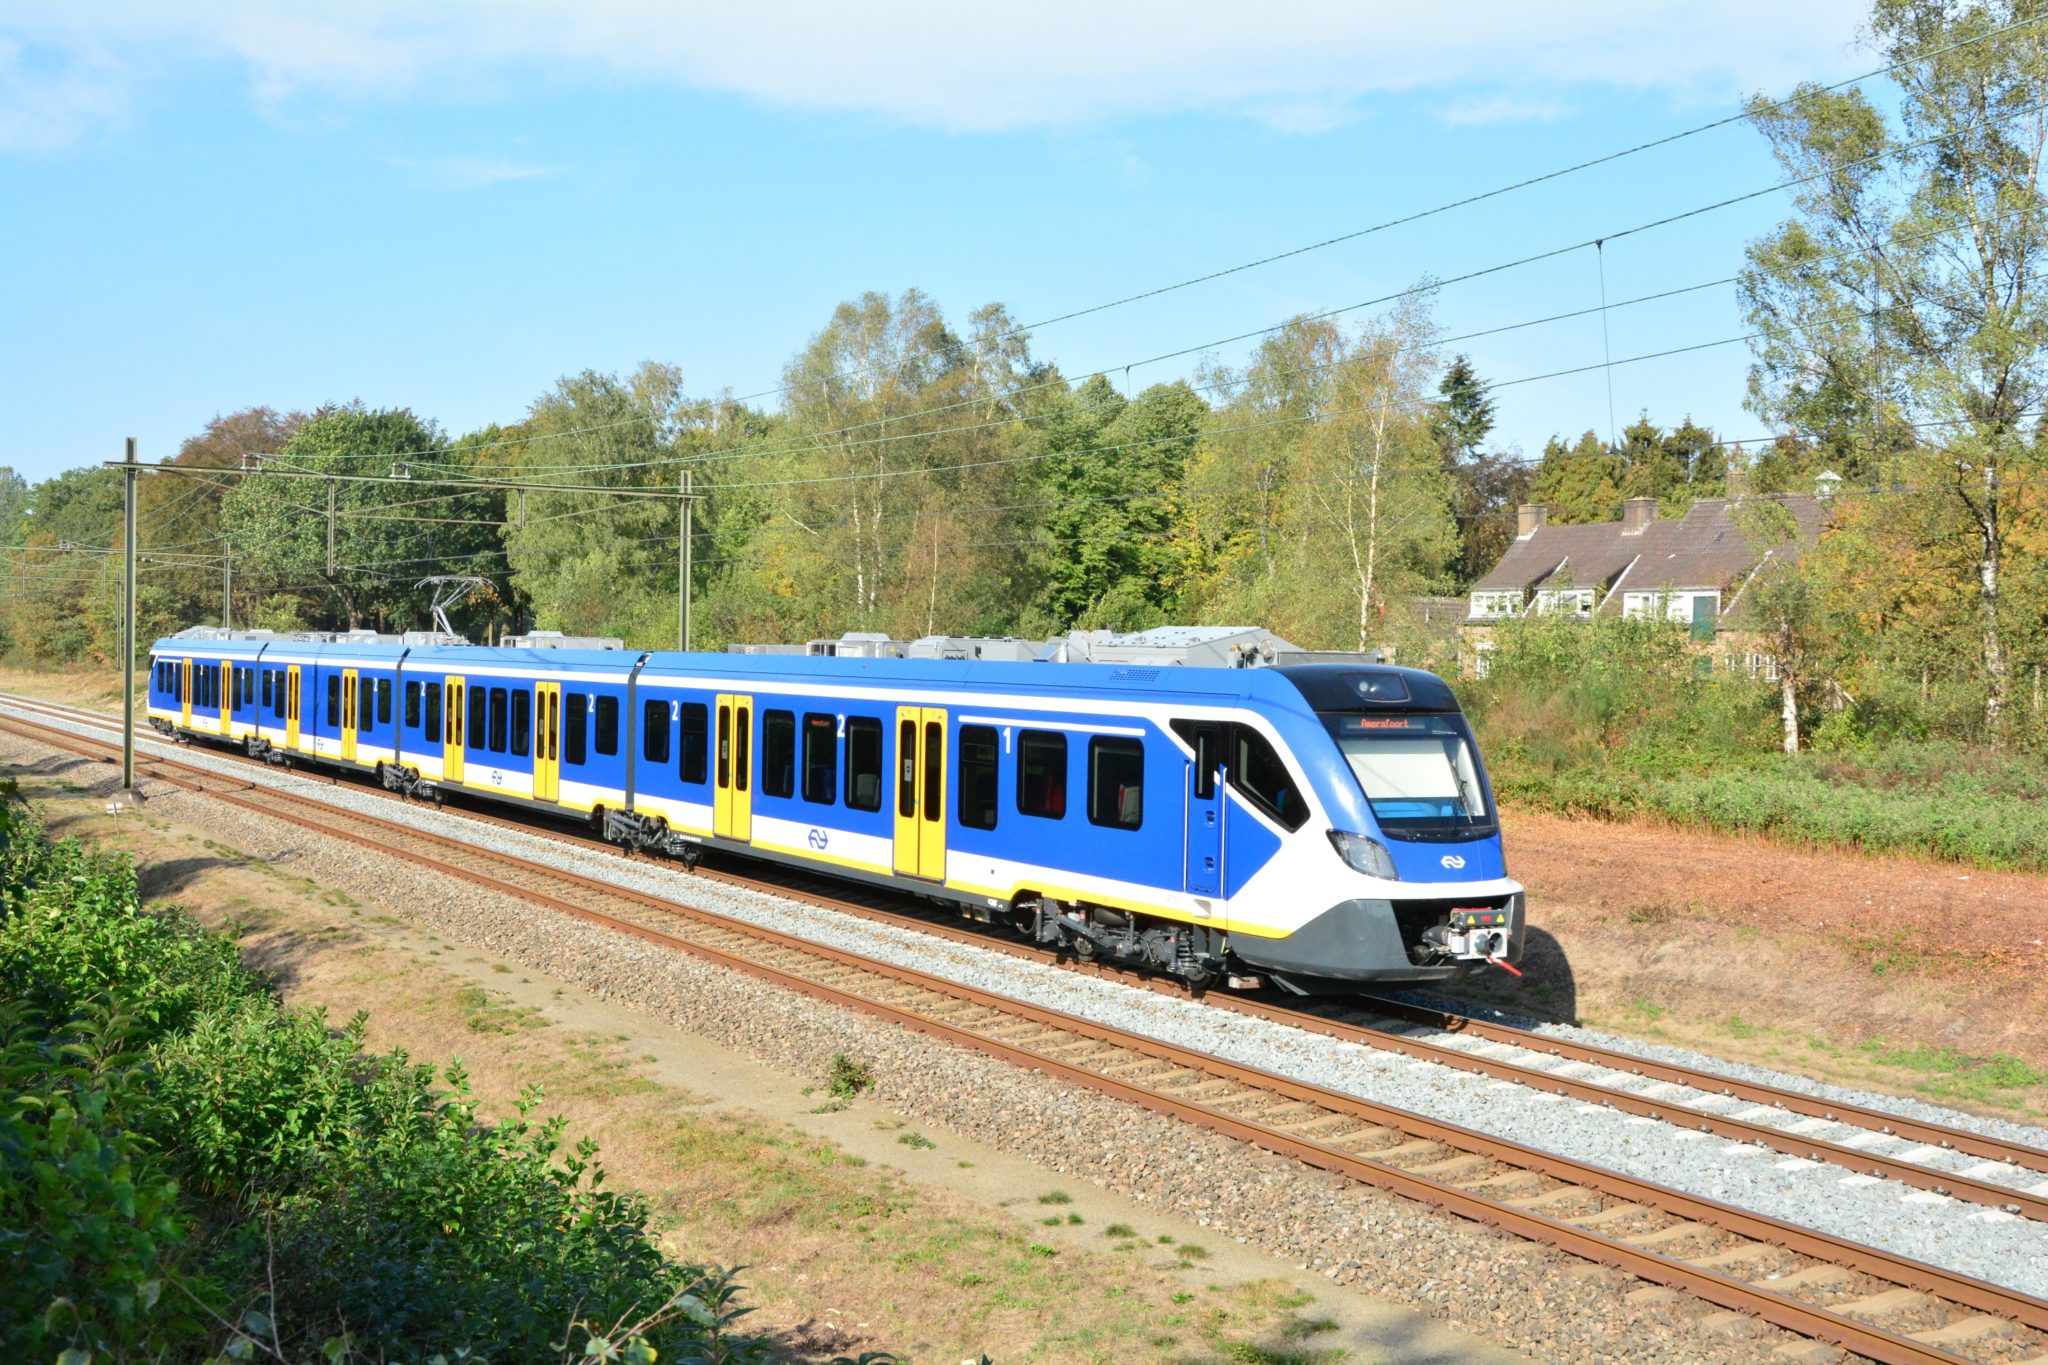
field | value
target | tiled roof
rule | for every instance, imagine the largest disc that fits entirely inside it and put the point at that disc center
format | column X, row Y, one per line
column 1709, row 547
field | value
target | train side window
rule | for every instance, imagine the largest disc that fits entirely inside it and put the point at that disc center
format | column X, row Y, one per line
column 778, row 753
column 334, row 701
column 366, row 703
column 497, row 744
column 430, row 721
column 268, row 685
column 693, row 742
column 654, row 728
column 575, row 728
column 863, row 763
column 248, row 687
column 608, row 726
column 476, row 729
column 1116, row 782
column 383, row 701
column 1257, row 772
column 412, row 705
column 277, row 696
column 821, row 758
column 522, row 721
column 979, row 781
column 1042, row 774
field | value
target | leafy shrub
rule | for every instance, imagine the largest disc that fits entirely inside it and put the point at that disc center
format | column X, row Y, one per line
column 174, row 1142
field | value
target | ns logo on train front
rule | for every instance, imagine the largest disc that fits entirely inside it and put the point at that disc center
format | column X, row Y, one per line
column 1313, row 825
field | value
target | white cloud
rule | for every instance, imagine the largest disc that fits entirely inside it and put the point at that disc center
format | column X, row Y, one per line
column 460, row 173
column 1504, row 109
column 1300, row 66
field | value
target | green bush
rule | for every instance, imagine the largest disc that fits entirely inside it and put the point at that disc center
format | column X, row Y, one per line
column 174, row 1143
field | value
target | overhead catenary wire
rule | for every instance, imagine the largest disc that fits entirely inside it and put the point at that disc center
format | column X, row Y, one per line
column 1469, row 200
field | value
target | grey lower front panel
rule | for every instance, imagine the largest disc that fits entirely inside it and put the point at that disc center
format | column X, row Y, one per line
column 1354, row 941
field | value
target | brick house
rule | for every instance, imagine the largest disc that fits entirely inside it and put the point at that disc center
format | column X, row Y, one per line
column 1690, row 569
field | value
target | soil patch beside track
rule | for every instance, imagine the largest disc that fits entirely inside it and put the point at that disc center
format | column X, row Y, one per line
column 1882, row 972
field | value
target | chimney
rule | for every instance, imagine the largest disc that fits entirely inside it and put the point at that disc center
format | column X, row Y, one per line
column 1528, row 517
column 1636, row 514
column 1738, row 483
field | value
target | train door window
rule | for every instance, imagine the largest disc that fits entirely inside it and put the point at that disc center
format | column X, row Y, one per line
column 575, row 728
column 821, row 758
column 1116, row 782
column 366, row 703
column 608, row 725
column 334, row 701
column 863, row 763
column 479, row 706
column 383, row 701
column 978, row 776
column 430, row 719
column 906, row 769
column 522, row 721
column 497, row 719
column 412, row 705
column 1206, row 739
column 778, row 753
column 654, row 728
column 1258, row 774
column 742, row 746
column 693, row 742
column 934, row 772
column 1042, row 774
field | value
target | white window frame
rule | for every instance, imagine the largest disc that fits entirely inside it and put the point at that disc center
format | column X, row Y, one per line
column 1565, row 601
column 1492, row 605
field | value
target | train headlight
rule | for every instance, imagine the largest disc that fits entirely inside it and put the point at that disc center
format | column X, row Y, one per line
column 1365, row 855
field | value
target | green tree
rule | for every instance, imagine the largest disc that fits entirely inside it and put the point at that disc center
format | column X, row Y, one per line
column 1906, row 291
column 1579, row 483
column 386, row 536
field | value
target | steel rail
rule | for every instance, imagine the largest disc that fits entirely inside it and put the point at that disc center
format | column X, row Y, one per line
column 1674, row 1111
column 1728, row 1291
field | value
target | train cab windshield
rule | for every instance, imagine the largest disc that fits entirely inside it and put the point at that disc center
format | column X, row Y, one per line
column 1418, row 772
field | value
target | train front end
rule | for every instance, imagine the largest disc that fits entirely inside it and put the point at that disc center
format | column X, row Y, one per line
column 1409, row 883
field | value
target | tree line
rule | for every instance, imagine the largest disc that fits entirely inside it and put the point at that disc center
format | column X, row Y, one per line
column 917, row 474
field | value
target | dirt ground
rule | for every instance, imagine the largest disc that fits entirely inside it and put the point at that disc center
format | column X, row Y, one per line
column 857, row 1230
column 1891, row 973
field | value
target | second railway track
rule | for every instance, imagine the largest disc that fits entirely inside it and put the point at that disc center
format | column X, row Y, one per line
column 1861, row 1298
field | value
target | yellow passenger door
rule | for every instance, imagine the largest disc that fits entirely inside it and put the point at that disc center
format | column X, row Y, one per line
column 291, row 706
column 451, row 729
column 732, row 798
column 547, row 729
column 185, row 693
column 921, row 792
column 348, row 714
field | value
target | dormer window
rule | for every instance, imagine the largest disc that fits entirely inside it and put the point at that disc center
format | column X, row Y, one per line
column 1496, row 604
column 1564, row 602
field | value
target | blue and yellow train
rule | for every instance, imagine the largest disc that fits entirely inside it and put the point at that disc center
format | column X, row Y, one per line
column 1312, row 824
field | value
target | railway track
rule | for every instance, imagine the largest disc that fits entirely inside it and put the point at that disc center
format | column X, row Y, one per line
column 2006, row 1176
column 1862, row 1299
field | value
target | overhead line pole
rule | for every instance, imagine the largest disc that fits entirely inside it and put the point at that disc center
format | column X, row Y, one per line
column 683, row 566
column 127, row 650
column 227, row 584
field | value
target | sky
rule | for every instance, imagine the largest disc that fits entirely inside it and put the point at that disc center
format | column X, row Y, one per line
column 212, row 204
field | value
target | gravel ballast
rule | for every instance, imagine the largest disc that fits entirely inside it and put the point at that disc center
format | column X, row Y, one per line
column 1964, row 1237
